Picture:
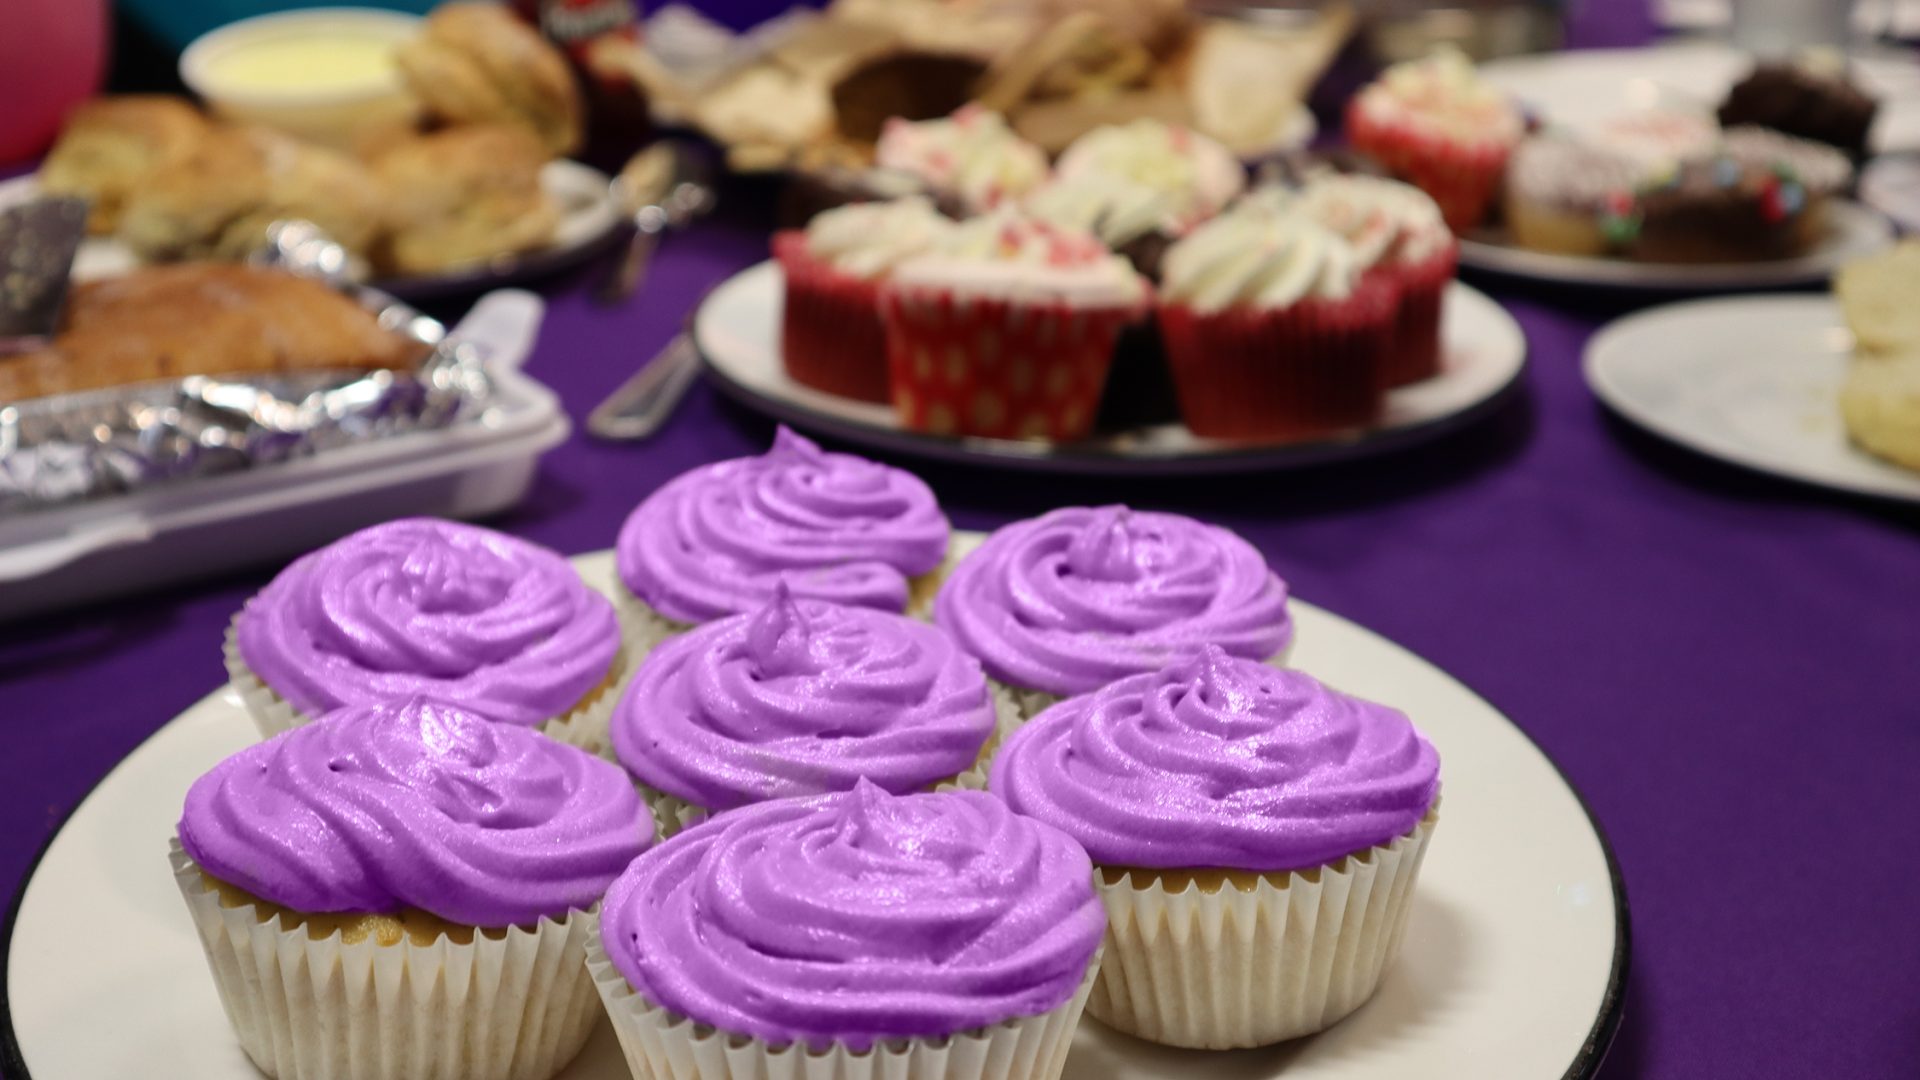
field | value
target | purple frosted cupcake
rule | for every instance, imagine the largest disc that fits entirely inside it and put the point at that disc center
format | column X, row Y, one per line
column 714, row 541
column 499, row 626
column 344, row 875
column 1065, row 603
column 1257, row 835
column 804, row 698
column 930, row 936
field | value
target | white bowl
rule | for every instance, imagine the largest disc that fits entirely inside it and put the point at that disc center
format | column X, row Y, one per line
column 325, row 74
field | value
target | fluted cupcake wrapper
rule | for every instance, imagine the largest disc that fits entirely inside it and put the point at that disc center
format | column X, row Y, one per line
column 674, row 814
column 514, row 1007
column 585, row 726
column 1230, row 966
column 662, row 1045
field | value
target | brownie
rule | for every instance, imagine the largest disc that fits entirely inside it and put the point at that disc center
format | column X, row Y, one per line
column 1810, row 104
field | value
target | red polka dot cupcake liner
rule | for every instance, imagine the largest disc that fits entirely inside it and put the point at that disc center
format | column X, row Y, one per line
column 997, row 368
column 1417, row 352
column 1316, row 367
column 831, row 334
column 1464, row 178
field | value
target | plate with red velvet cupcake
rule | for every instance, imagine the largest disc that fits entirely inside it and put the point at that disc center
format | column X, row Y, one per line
column 967, row 316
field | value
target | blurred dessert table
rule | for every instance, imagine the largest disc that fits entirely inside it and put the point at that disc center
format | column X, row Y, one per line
column 1724, row 664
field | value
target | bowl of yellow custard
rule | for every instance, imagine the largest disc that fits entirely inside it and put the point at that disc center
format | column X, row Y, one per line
column 325, row 74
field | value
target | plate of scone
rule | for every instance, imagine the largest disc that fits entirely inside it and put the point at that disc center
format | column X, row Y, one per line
column 1636, row 185
column 477, row 193
column 1824, row 390
column 735, row 799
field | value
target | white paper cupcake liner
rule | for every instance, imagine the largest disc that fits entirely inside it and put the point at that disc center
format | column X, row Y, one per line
column 641, row 626
column 1238, row 967
column 585, row 727
column 513, row 1007
column 663, row 1045
column 675, row 814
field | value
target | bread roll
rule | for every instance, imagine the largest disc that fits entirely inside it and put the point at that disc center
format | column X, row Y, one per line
column 476, row 63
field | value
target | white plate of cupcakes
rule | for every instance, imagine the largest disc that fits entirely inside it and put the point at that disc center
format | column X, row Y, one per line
column 1131, row 307
column 1631, row 184
column 796, row 782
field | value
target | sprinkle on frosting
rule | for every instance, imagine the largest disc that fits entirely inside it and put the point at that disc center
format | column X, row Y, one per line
column 869, row 239
column 1258, row 260
column 972, row 154
column 802, row 698
column 1068, row 602
column 1223, row 763
column 716, row 540
column 1009, row 255
column 465, row 614
column 416, row 804
column 1197, row 173
column 1386, row 222
column 858, row 918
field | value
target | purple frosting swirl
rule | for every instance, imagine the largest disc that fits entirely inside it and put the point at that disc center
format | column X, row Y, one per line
column 858, row 917
column 713, row 541
column 423, row 606
column 1071, row 601
column 802, row 698
column 416, row 804
column 1222, row 763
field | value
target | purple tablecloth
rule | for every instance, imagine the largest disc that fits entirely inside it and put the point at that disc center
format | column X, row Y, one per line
column 1727, row 666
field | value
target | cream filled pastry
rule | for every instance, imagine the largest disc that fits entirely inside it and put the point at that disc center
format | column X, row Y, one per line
column 499, row 626
column 972, row 155
column 1198, row 175
column 416, row 804
column 802, row 698
column 716, row 541
column 855, row 919
column 1070, row 601
column 1221, row 762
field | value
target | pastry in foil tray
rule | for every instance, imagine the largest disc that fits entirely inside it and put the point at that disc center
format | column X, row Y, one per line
column 168, row 322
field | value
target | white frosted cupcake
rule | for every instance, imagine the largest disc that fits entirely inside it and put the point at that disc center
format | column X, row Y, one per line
column 858, row 936
column 831, row 334
column 1197, row 175
column 1007, row 329
column 1257, row 835
column 971, row 157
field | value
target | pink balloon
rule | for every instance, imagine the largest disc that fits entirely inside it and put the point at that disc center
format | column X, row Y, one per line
column 52, row 54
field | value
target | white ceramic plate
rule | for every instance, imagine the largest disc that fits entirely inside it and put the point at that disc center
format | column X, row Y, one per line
column 1513, row 965
column 1750, row 380
column 1852, row 231
column 588, row 219
column 737, row 331
column 1584, row 86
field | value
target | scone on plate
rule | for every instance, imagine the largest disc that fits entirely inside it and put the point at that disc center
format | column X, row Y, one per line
column 1880, row 403
column 1877, row 297
column 217, row 199
column 111, row 144
column 464, row 195
column 476, row 63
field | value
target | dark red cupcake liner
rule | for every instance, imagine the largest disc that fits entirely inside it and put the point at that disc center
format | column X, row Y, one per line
column 831, row 334
column 1464, row 178
column 998, row 368
column 1315, row 367
column 1417, row 351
